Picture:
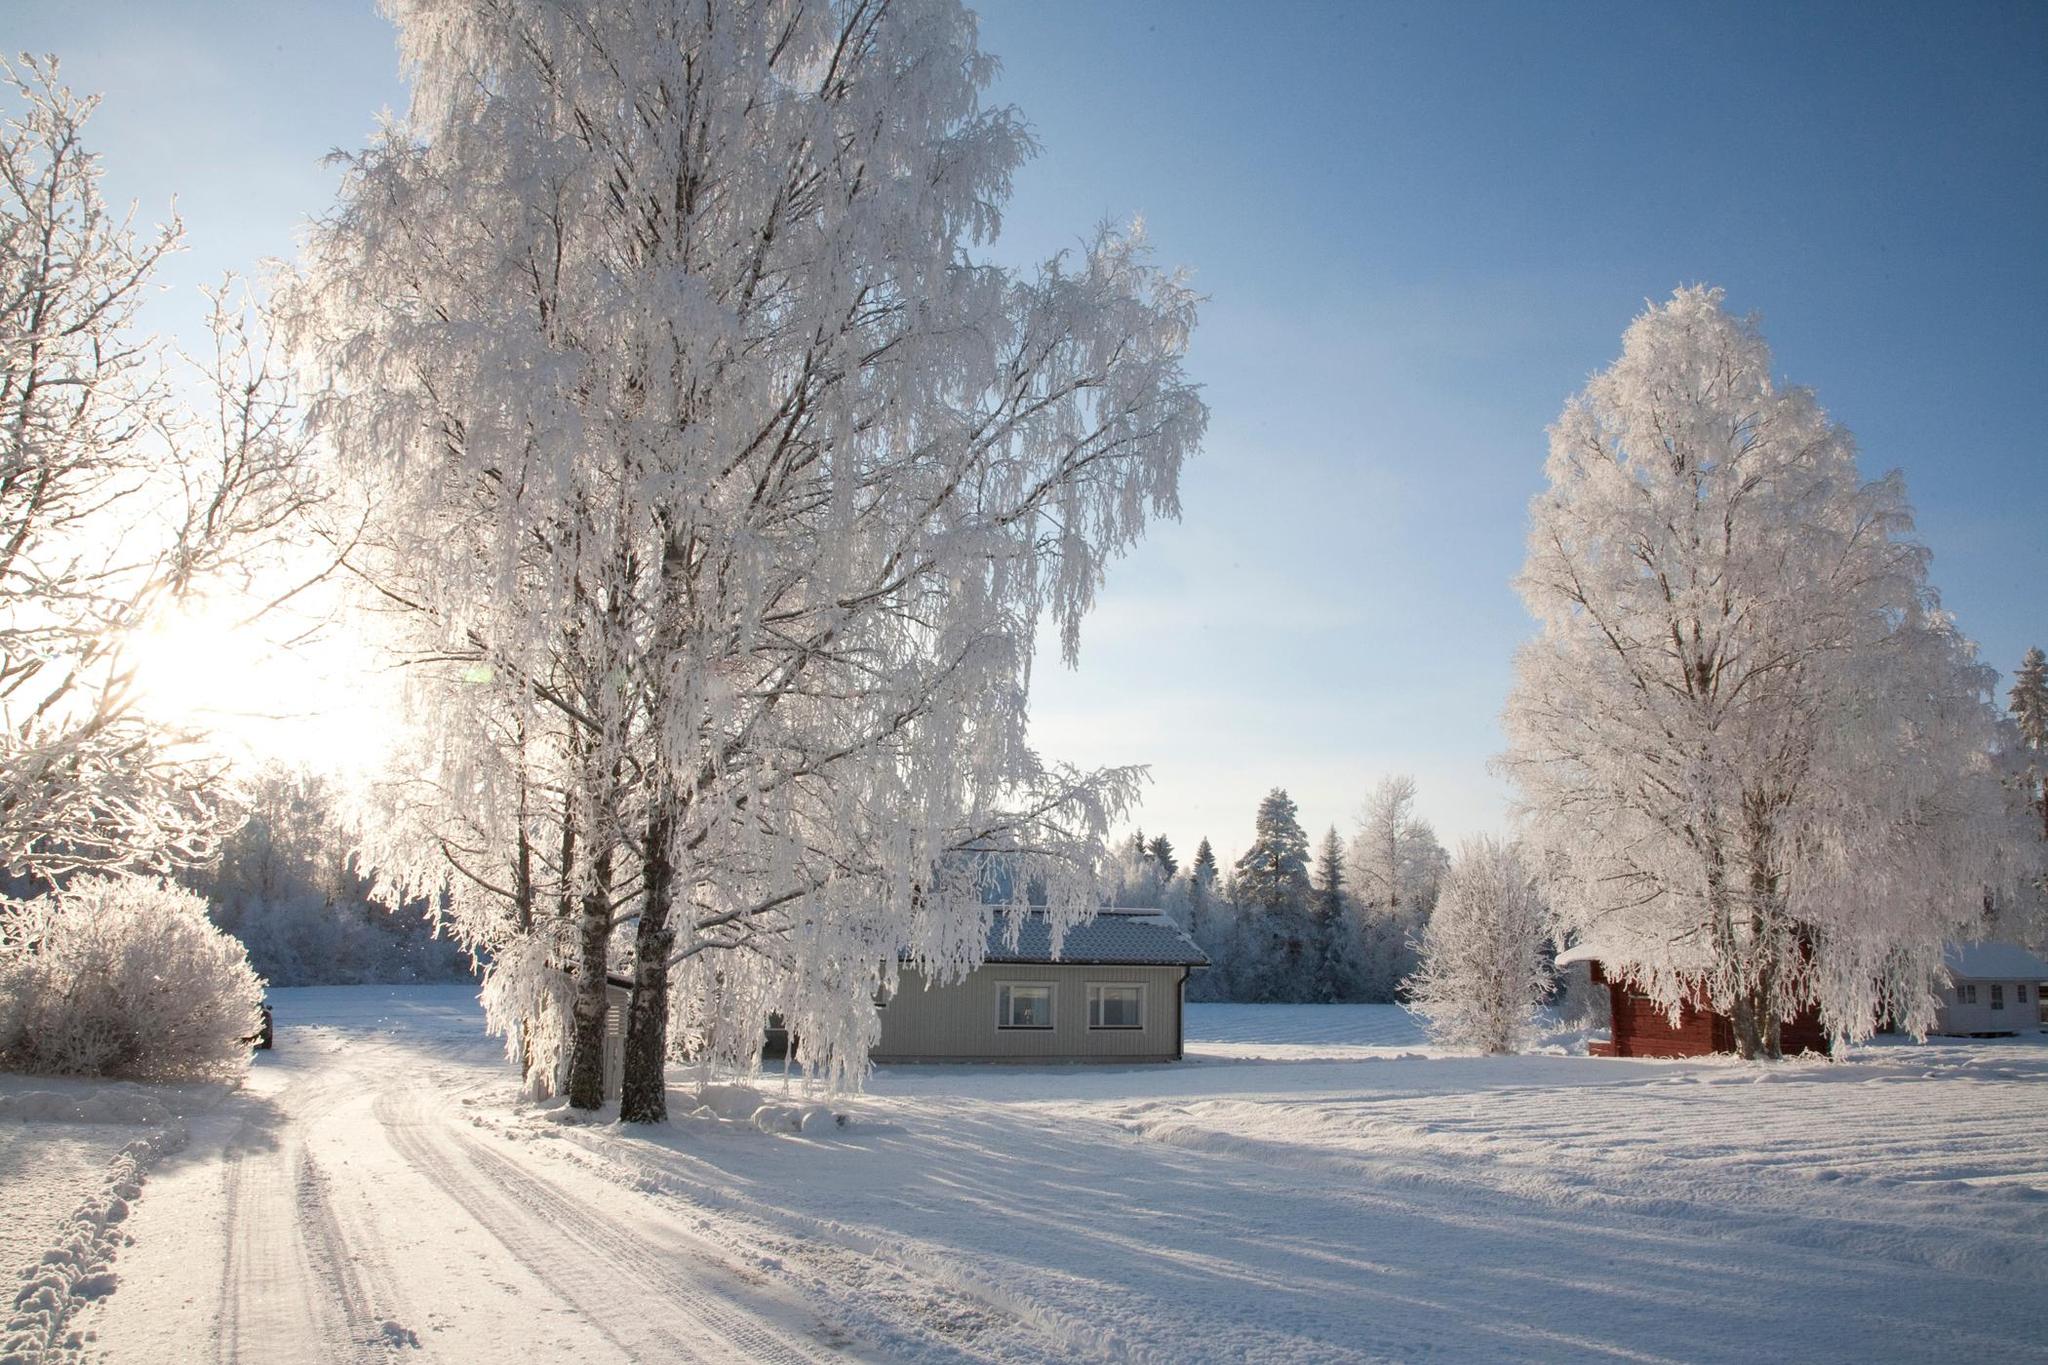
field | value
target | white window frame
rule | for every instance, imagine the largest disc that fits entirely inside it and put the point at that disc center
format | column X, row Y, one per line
column 1095, row 989
column 1003, row 1011
column 1998, row 995
column 1967, row 993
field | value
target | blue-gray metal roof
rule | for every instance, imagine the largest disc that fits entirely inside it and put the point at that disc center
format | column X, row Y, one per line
column 1992, row 962
column 1113, row 938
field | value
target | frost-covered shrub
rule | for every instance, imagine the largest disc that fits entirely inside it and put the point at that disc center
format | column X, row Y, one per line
column 1483, row 976
column 123, row 976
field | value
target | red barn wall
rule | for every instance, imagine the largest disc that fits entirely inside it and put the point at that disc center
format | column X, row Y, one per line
column 1642, row 1028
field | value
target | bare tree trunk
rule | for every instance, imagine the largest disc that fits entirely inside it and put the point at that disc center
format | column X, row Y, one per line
column 594, row 932
column 1749, row 1038
column 1744, row 1014
column 1766, row 925
column 1767, row 990
column 644, row 1096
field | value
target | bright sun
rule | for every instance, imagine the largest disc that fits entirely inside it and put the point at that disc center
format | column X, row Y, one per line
column 307, row 702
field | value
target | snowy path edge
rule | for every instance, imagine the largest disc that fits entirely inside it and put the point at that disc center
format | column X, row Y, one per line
column 75, row 1271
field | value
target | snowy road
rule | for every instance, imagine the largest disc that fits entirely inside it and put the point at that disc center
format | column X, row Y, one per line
column 346, row 1209
column 1315, row 1185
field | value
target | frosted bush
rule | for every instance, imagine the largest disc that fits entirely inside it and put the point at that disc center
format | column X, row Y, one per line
column 1483, row 976
column 123, row 976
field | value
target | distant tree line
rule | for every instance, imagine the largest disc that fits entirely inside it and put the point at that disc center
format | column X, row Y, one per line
column 2022, row 915
column 1287, row 922
column 286, row 884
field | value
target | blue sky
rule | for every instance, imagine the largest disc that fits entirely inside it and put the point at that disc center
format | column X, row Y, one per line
column 1420, row 227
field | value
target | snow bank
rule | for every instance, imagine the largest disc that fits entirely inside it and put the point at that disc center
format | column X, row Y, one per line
column 719, row 1103
column 745, row 1104
column 77, row 1269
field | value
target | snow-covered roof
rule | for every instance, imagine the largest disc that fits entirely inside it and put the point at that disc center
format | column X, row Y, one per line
column 1616, row 951
column 1114, row 937
column 1993, row 962
column 1581, row 952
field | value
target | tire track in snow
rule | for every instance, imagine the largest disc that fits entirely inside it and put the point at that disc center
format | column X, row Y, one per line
column 580, row 1255
column 262, row 1316
column 335, row 1265
column 756, row 1340
column 922, row 1293
column 588, row 1294
column 283, row 1236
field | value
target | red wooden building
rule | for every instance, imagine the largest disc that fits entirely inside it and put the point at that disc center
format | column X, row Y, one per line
column 1642, row 1028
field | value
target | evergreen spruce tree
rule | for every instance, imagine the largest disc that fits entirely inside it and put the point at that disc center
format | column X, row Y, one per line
column 2029, row 703
column 2021, row 913
column 1160, row 850
column 1202, row 921
column 1273, row 887
column 1327, row 919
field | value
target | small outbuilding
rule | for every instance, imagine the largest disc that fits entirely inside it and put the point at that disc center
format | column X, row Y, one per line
column 1994, row 988
column 1114, row 992
column 1640, row 1027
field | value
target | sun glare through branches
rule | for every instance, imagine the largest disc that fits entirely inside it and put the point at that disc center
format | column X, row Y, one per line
column 297, row 692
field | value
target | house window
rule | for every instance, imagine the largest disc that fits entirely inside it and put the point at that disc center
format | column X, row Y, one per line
column 2020, row 993
column 1023, row 1006
column 1967, row 994
column 1998, row 995
column 1116, row 1006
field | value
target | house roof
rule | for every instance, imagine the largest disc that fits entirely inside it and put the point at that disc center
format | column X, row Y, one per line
column 1993, row 962
column 1581, row 952
column 1127, row 938
column 1615, row 952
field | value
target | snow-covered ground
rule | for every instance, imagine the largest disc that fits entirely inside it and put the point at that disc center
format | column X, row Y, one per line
column 72, row 1157
column 1314, row 1183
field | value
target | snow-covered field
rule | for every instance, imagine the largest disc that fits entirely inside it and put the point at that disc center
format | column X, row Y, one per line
column 1314, row 1183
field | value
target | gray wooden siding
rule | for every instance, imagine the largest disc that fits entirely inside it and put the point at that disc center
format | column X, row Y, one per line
column 958, row 1022
column 1955, row 1017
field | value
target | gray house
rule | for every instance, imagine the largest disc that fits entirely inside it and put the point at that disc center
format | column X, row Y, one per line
column 1993, row 988
column 1113, row 994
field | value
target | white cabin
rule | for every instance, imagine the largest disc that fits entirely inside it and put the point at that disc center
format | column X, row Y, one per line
column 1993, row 988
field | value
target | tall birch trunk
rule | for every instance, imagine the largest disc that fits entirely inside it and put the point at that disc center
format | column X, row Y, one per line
column 643, row 1097
column 594, row 932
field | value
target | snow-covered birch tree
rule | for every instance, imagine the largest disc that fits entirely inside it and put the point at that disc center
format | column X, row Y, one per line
column 1392, row 866
column 1482, row 977
column 1753, row 755
column 707, row 427
column 132, row 483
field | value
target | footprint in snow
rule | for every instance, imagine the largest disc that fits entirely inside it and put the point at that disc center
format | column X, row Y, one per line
column 396, row 1335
